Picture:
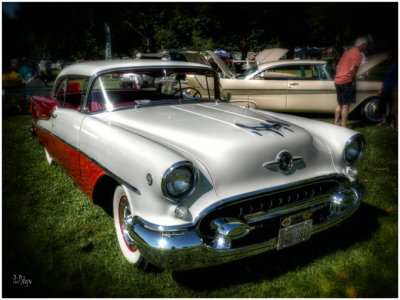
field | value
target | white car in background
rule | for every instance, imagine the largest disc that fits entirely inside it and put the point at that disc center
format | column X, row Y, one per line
column 304, row 86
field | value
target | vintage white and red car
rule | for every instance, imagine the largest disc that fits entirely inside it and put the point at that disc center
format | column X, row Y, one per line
column 193, row 180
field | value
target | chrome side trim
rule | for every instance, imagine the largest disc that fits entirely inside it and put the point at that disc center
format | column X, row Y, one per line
column 107, row 171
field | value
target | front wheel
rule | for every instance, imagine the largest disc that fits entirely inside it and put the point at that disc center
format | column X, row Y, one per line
column 123, row 214
column 370, row 110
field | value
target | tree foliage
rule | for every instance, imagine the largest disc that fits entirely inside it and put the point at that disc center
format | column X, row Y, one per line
column 75, row 30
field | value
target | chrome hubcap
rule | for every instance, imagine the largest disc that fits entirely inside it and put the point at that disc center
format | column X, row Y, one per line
column 125, row 221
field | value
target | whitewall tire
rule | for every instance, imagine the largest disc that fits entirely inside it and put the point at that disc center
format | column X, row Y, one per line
column 123, row 213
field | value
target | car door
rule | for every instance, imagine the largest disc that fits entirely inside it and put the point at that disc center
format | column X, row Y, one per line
column 259, row 92
column 310, row 89
column 66, row 124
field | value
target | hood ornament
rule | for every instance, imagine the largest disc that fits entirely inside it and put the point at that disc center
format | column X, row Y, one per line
column 284, row 162
column 274, row 126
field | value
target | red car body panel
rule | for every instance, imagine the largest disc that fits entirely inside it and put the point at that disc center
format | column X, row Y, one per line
column 82, row 170
column 43, row 106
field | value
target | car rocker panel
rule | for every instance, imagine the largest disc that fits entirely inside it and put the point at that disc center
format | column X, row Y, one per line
column 253, row 181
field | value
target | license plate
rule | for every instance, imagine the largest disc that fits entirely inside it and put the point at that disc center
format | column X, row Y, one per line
column 294, row 234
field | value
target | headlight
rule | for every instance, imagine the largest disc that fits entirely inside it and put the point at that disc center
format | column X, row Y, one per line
column 179, row 181
column 353, row 149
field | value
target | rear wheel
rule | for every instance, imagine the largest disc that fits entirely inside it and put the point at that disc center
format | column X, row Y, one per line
column 123, row 215
column 370, row 110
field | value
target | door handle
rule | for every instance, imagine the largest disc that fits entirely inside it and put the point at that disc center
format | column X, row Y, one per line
column 293, row 83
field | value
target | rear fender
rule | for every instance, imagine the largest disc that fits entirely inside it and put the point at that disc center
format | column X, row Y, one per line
column 42, row 106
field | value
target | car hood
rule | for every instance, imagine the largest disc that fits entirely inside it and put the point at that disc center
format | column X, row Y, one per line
column 264, row 56
column 195, row 57
column 221, row 64
column 237, row 146
column 371, row 62
column 268, row 55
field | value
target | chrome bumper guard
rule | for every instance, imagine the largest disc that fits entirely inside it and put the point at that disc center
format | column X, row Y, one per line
column 184, row 249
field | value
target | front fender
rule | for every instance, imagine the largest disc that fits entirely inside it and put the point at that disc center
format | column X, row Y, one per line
column 334, row 137
column 130, row 157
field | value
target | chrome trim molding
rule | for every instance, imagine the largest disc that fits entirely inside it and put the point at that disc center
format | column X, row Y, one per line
column 185, row 249
column 94, row 76
column 243, row 197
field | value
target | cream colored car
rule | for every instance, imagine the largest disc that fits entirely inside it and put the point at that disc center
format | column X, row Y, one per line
column 298, row 86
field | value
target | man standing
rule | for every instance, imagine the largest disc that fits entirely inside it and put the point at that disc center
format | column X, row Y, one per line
column 345, row 79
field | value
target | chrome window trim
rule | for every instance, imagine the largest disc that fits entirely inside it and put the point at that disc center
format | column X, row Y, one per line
column 86, row 79
column 251, row 76
column 92, row 79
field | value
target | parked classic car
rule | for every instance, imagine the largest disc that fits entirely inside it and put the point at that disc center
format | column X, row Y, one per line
column 299, row 86
column 193, row 180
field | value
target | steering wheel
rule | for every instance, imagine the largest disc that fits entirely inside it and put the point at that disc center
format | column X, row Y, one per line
column 194, row 93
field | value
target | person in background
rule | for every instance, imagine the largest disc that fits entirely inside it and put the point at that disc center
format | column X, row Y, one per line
column 165, row 55
column 345, row 79
column 26, row 72
column 388, row 92
column 251, row 62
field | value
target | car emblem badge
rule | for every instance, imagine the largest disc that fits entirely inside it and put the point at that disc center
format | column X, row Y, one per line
column 284, row 161
column 286, row 222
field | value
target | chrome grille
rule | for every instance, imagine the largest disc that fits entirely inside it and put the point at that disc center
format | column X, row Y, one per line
column 265, row 203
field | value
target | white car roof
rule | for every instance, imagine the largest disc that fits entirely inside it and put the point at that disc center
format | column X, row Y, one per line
column 95, row 67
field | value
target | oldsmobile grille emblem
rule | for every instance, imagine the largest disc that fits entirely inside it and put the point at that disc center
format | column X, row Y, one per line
column 284, row 162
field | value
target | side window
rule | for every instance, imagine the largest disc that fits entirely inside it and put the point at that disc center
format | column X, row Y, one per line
column 295, row 72
column 73, row 96
column 324, row 72
column 61, row 91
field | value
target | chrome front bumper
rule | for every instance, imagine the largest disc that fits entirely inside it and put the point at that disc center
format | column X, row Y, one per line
column 184, row 249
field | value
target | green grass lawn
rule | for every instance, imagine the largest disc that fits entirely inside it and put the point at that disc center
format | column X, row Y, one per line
column 56, row 243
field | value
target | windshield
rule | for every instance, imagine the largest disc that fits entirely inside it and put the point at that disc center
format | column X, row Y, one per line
column 127, row 88
column 247, row 73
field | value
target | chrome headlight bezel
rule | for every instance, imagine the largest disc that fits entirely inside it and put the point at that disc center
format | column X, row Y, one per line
column 360, row 141
column 191, row 187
